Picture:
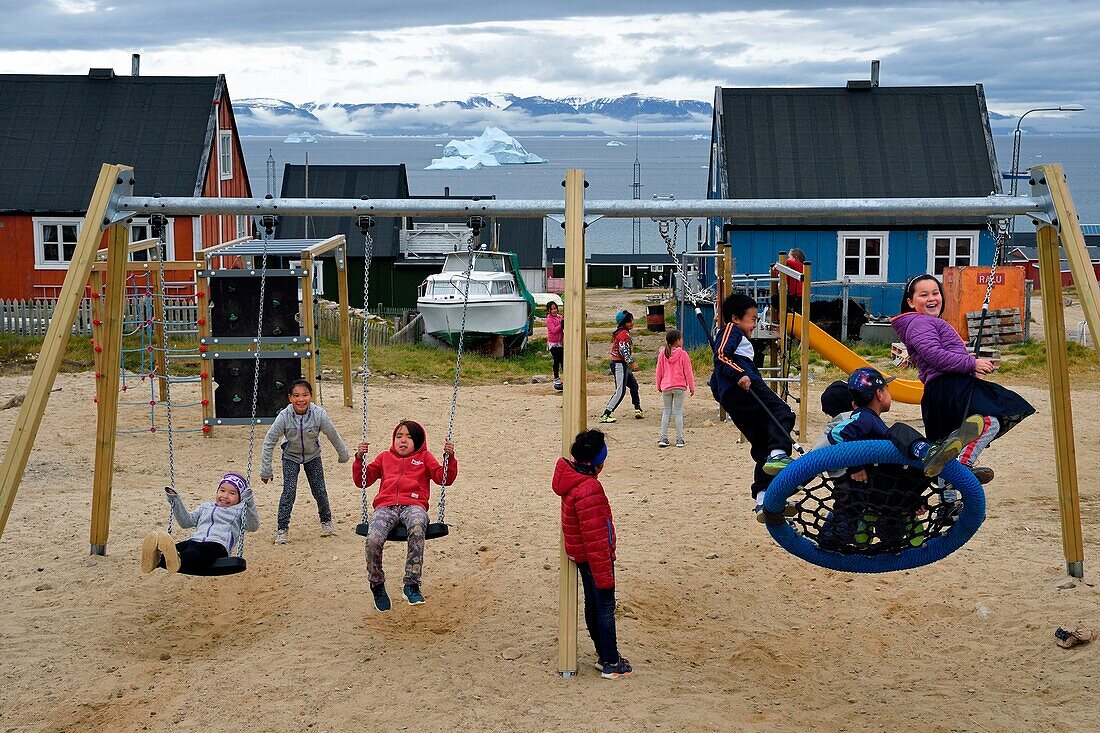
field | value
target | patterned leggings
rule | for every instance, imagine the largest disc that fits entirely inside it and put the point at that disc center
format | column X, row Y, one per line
column 315, row 475
column 382, row 521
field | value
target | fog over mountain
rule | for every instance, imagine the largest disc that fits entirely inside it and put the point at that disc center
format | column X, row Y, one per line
column 530, row 115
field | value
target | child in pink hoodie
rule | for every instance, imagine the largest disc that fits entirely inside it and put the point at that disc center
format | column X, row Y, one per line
column 674, row 379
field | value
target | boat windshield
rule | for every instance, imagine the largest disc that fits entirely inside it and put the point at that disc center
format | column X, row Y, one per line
column 457, row 262
column 504, row 287
column 454, row 289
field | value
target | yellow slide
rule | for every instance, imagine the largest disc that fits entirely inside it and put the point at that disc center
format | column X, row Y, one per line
column 903, row 390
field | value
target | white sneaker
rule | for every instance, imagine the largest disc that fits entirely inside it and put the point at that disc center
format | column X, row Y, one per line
column 282, row 536
column 328, row 529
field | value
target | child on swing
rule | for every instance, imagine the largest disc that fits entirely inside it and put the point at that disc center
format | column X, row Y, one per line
column 407, row 471
column 588, row 530
column 952, row 388
column 218, row 525
column 734, row 383
column 300, row 425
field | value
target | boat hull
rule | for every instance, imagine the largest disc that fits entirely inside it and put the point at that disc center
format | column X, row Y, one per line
column 484, row 319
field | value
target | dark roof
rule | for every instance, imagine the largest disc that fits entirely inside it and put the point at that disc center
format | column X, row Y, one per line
column 346, row 182
column 1031, row 253
column 556, row 256
column 882, row 142
column 57, row 131
column 1026, row 240
column 525, row 237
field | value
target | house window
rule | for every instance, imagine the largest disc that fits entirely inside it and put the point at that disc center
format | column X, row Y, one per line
column 656, row 268
column 225, row 154
column 140, row 231
column 55, row 242
column 626, row 271
column 951, row 249
column 862, row 256
column 244, row 226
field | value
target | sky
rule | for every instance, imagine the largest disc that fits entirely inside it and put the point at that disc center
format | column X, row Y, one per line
column 1027, row 53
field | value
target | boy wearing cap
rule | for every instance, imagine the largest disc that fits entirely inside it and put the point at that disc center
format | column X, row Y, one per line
column 218, row 527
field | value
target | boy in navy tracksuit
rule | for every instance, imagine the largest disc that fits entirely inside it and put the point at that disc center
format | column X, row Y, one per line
column 734, row 377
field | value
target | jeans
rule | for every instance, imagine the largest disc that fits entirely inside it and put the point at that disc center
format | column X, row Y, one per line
column 315, row 475
column 674, row 403
column 599, row 615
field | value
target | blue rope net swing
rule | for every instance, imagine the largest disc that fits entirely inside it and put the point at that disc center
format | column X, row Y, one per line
column 896, row 520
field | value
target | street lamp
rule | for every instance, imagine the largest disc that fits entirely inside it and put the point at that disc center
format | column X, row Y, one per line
column 1016, row 136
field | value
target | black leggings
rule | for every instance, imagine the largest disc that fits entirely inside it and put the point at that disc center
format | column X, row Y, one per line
column 763, row 434
column 195, row 555
column 557, row 353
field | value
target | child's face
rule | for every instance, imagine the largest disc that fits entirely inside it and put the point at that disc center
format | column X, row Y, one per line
column 927, row 298
column 552, row 309
column 227, row 495
column 628, row 324
column 679, row 343
column 300, row 398
column 747, row 322
column 882, row 401
column 403, row 442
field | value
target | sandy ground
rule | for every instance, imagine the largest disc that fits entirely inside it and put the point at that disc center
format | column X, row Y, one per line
column 726, row 630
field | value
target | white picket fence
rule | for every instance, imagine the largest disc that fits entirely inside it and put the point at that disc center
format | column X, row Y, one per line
column 32, row 317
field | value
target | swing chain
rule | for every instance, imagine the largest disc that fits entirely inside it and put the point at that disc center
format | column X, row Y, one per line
column 368, row 254
column 998, row 234
column 268, row 233
column 458, row 373
column 159, row 228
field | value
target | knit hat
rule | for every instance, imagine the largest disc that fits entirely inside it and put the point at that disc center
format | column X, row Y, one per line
column 622, row 316
column 836, row 398
column 865, row 382
column 237, row 480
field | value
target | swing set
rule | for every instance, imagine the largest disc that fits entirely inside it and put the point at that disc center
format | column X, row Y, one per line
column 113, row 203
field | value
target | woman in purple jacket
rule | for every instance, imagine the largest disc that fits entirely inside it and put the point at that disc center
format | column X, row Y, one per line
column 952, row 389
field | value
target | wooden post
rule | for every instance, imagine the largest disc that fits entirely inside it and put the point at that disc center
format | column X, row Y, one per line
column 97, row 330
column 309, row 363
column 1073, row 243
column 160, row 357
column 575, row 407
column 345, row 320
column 804, row 354
column 57, row 337
column 118, row 240
column 206, row 384
column 1065, row 459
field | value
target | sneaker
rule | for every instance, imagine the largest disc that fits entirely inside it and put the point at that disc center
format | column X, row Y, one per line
column 150, row 553
column 788, row 511
column 328, row 529
column 282, row 536
column 413, row 595
column 168, row 551
column 662, row 443
column 638, row 413
column 558, row 385
column 984, row 474
column 777, row 464
column 948, row 449
column 680, row 443
column 607, row 417
column 614, row 671
column 381, row 598
column 599, row 665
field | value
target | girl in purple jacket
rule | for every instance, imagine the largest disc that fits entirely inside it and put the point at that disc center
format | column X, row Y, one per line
column 952, row 389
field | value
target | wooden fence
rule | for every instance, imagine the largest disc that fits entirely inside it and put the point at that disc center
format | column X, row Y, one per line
column 403, row 329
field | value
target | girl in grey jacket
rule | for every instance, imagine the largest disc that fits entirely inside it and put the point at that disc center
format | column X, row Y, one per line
column 299, row 426
column 218, row 526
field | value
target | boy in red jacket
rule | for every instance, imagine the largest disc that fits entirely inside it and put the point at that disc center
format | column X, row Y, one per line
column 589, row 533
column 407, row 471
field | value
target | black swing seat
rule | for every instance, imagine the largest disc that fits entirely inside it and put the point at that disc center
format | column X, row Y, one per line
column 221, row 566
column 400, row 534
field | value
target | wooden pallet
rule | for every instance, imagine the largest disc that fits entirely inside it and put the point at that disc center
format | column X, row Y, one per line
column 994, row 355
column 899, row 355
column 1002, row 326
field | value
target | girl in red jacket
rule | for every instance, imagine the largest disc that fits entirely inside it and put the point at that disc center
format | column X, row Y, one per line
column 407, row 470
column 589, row 533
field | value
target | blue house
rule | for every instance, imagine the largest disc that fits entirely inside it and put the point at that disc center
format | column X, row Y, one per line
column 858, row 141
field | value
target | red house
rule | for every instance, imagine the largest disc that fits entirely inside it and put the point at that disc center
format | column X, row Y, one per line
column 177, row 132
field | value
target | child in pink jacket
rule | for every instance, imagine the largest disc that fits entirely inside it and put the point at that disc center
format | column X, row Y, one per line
column 674, row 380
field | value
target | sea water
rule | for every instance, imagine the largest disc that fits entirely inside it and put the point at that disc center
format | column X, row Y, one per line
column 674, row 166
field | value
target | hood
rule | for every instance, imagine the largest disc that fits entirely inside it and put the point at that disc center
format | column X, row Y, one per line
column 677, row 353
column 567, row 477
column 903, row 321
column 416, row 451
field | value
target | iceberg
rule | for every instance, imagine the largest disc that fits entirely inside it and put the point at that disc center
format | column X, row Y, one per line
column 301, row 137
column 493, row 147
column 615, row 144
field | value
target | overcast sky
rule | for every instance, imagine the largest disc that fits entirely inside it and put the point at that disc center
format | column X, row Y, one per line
column 1027, row 53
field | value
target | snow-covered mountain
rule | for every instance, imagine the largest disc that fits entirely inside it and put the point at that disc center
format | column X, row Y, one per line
column 571, row 115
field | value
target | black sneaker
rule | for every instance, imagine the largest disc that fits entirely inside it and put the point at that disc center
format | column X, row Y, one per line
column 381, row 598
column 614, row 671
column 413, row 595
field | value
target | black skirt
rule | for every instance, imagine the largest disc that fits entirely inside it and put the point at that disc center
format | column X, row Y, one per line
column 951, row 398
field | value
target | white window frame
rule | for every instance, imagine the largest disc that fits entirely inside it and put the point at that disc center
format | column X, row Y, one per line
column 244, row 226
column 975, row 242
column 169, row 243
column 884, row 256
column 40, row 261
column 656, row 268
column 225, row 154
column 628, row 271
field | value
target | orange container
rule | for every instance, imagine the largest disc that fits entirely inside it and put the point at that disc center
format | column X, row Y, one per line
column 964, row 291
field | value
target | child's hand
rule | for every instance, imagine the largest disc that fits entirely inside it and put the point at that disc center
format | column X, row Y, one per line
column 362, row 450
column 860, row 476
column 745, row 383
column 692, row 393
column 449, row 449
column 170, row 491
column 246, row 495
column 983, row 366
column 633, row 366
